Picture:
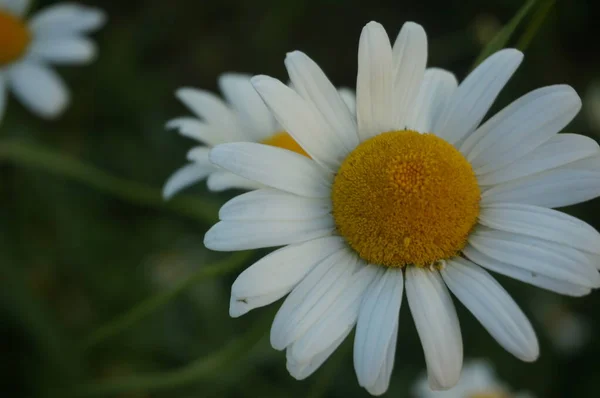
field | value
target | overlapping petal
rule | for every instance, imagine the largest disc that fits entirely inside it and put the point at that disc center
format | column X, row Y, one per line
column 437, row 323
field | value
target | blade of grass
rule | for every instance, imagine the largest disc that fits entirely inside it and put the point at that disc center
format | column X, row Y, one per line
column 154, row 303
column 503, row 36
column 194, row 372
column 537, row 20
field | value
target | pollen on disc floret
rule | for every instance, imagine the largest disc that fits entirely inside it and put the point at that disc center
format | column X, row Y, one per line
column 404, row 198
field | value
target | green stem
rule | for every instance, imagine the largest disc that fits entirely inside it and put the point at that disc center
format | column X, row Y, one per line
column 536, row 23
column 503, row 36
column 29, row 155
column 192, row 373
column 154, row 303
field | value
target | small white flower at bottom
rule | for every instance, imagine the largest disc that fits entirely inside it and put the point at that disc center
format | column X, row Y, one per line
column 477, row 380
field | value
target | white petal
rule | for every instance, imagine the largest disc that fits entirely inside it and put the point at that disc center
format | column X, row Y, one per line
column 39, row 88
column 63, row 50
column 193, row 128
column 243, row 235
column 434, row 96
column 493, row 307
column 301, row 370
column 594, row 259
column 17, row 8
column 558, row 151
column 556, row 285
column 349, row 97
column 437, row 324
column 303, row 121
column 3, row 95
column 543, row 223
column 270, row 204
column 199, row 155
column 521, row 127
column 222, row 180
column 309, row 301
column 563, row 186
column 375, row 110
column 536, row 256
column 276, row 274
column 314, row 86
column 409, row 58
column 66, row 19
column 383, row 381
column 185, row 177
column 377, row 322
column 339, row 318
column 475, row 95
column 274, row 167
column 253, row 113
column 214, row 111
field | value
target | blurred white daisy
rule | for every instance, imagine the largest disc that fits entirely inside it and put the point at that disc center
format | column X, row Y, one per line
column 477, row 380
column 592, row 105
column 568, row 331
column 54, row 35
column 414, row 192
column 243, row 118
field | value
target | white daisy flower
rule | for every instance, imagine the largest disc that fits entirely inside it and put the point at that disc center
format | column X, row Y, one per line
column 54, row 35
column 477, row 380
column 243, row 118
column 414, row 193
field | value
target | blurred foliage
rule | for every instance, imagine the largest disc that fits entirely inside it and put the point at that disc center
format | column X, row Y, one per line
column 75, row 256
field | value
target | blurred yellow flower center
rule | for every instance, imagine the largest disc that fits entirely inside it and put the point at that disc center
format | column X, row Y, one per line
column 405, row 198
column 14, row 38
column 489, row 394
column 285, row 141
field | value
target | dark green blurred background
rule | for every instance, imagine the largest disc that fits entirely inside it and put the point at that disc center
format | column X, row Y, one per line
column 72, row 257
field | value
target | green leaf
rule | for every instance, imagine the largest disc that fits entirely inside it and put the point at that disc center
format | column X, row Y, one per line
column 503, row 36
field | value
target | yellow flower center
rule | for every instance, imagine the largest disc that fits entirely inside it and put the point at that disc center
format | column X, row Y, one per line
column 14, row 38
column 489, row 394
column 405, row 198
column 285, row 141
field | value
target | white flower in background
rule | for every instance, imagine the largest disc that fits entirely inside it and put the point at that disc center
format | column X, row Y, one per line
column 568, row 331
column 477, row 380
column 592, row 105
column 416, row 193
column 243, row 118
column 54, row 35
